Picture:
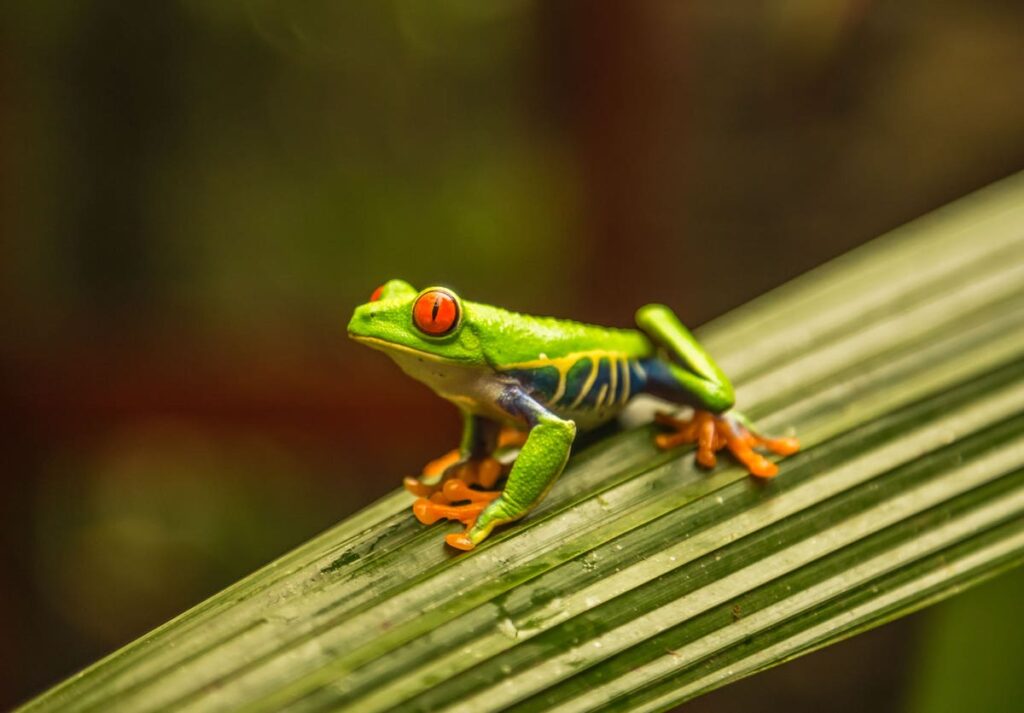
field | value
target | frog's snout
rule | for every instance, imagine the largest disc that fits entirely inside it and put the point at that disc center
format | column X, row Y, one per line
column 362, row 321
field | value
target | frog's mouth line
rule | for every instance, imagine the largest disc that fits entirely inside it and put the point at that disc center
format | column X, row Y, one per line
column 385, row 345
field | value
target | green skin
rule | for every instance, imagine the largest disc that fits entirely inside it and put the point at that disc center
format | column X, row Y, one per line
column 538, row 374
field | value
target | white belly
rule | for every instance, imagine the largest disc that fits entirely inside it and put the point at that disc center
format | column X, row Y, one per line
column 472, row 388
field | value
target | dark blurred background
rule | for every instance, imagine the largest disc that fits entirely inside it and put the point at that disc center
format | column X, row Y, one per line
column 194, row 195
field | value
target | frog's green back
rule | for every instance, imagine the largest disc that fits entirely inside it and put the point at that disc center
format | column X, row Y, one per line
column 510, row 339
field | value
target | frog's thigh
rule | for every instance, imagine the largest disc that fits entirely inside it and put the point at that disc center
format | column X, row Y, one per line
column 701, row 383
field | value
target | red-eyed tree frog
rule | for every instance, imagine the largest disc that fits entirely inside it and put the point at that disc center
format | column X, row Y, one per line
column 533, row 382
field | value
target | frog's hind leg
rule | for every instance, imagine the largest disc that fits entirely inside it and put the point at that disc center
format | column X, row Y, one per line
column 693, row 379
column 689, row 376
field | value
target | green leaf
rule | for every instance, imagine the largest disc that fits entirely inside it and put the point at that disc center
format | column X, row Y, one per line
column 642, row 580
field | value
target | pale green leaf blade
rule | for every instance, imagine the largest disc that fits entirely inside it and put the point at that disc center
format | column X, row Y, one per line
column 643, row 580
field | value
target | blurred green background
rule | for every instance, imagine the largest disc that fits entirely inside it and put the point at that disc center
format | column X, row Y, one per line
column 194, row 195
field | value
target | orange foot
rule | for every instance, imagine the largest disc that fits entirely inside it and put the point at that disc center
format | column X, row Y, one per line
column 483, row 471
column 441, row 505
column 479, row 471
column 712, row 433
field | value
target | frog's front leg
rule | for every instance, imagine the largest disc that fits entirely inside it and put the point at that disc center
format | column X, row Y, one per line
column 698, row 382
column 540, row 461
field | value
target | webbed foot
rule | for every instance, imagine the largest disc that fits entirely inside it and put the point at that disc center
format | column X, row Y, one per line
column 713, row 432
column 483, row 471
column 442, row 505
column 444, row 490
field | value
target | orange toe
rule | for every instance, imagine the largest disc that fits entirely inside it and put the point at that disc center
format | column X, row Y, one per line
column 707, row 440
column 460, row 541
column 455, row 490
column 483, row 471
column 439, row 465
column 511, row 437
column 417, row 487
column 666, row 441
column 428, row 481
column 782, row 446
column 425, row 511
column 430, row 511
column 761, row 467
column 489, row 473
column 706, row 458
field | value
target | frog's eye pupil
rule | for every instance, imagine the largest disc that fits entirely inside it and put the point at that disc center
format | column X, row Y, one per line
column 435, row 313
column 377, row 293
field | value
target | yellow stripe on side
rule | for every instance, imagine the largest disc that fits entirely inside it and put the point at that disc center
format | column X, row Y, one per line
column 613, row 377
column 563, row 364
column 595, row 366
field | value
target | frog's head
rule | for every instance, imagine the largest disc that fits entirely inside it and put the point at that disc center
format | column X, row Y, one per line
column 430, row 323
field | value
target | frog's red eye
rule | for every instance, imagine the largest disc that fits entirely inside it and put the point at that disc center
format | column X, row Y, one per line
column 377, row 293
column 436, row 312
